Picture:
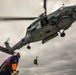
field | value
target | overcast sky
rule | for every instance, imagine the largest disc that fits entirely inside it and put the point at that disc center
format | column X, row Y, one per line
column 56, row 57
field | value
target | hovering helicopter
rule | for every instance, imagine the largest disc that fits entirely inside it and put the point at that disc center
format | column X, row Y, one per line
column 45, row 27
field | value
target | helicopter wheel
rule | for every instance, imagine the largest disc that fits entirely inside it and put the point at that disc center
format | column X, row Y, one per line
column 62, row 34
column 28, row 47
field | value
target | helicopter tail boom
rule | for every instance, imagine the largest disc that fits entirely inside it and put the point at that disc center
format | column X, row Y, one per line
column 19, row 45
column 2, row 49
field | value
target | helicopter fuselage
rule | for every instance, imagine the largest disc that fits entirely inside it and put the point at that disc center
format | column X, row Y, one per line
column 47, row 27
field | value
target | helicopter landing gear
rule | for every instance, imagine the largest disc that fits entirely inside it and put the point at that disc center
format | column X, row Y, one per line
column 62, row 34
column 28, row 47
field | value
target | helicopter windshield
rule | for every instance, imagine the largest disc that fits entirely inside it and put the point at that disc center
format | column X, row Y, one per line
column 34, row 26
column 35, row 21
column 61, row 8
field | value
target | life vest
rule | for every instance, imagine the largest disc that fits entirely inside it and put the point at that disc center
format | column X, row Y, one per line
column 14, row 67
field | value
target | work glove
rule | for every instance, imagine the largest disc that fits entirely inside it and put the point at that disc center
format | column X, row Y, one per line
column 15, row 72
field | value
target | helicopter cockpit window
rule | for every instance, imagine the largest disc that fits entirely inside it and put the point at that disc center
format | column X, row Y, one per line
column 44, row 21
column 33, row 27
column 29, row 27
column 61, row 8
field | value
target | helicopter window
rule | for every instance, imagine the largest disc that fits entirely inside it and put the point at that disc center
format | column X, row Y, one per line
column 44, row 21
column 61, row 8
column 33, row 30
column 52, row 20
column 35, row 27
column 38, row 25
column 28, row 31
column 29, row 27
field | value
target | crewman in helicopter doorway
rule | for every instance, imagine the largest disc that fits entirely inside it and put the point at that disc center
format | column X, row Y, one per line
column 9, row 66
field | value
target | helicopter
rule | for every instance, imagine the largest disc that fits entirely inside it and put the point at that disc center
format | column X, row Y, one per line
column 44, row 28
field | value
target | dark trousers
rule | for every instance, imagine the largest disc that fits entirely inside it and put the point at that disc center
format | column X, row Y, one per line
column 5, row 71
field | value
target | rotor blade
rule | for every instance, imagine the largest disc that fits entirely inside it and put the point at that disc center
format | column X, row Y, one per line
column 16, row 18
column 45, row 6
